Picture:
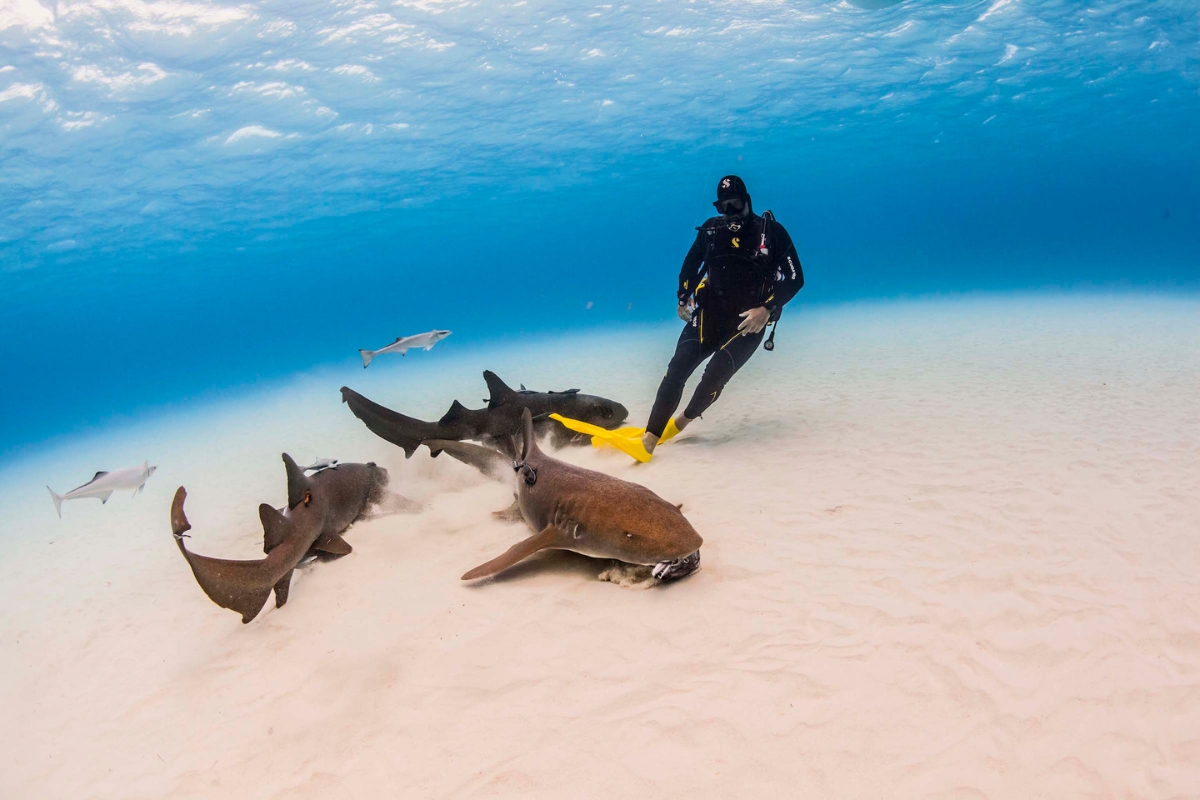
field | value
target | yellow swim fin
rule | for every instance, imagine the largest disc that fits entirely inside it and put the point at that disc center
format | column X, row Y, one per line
column 628, row 433
column 630, row 445
column 669, row 432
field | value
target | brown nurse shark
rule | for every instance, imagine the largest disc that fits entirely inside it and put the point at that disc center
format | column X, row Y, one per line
column 493, row 425
column 320, row 507
column 588, row 512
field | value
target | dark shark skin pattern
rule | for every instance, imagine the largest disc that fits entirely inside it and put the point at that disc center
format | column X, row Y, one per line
column 492, row 463
column 588, row 512
column 320, row 508
column 494, row 425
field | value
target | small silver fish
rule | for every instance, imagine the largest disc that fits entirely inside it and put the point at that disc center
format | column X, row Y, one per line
column 103, row 484
column 403, row 344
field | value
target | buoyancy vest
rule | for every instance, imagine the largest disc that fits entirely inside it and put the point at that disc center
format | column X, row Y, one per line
column 738, row 262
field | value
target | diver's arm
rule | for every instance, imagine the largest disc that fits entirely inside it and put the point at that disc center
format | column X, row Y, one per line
column 791, row 276
column 689, row 273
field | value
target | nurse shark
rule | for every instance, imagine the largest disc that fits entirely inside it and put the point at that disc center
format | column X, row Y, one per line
column 320, row 508
column 494, row 425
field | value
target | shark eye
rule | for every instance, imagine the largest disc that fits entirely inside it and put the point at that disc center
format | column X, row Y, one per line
column 307, row 497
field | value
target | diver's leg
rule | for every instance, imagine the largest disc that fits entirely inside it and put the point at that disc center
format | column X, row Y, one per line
column 725, row 362
column 689, row 352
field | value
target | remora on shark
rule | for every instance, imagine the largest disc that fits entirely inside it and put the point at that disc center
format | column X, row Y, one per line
column 494, row 425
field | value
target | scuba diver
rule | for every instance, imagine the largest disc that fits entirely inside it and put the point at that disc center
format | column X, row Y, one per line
column 740, row 272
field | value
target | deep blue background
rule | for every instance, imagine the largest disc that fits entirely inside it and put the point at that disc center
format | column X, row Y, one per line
column 1086, row 189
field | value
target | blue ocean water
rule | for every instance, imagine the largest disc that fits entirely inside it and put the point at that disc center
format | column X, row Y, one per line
column 198, row 196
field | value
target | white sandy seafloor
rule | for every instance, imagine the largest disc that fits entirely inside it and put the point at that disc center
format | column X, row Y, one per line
column 952, row 549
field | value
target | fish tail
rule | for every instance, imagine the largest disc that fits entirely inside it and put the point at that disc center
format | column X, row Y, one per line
column 367, row 355
column 57, row 501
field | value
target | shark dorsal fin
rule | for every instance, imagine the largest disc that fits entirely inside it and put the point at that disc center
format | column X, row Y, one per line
column 455, row 413
column 499, row 391
column 275, row 527
column 523, row 389
column 298, row 484
column 98, row 474
column 528, row 442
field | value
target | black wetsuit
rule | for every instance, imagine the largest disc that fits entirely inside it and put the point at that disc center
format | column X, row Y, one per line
column 731, row 268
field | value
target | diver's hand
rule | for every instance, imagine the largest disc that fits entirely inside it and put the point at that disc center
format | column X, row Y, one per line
column 686, row 309
column 753, row 321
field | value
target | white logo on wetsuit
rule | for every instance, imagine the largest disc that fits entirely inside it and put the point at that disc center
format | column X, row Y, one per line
column 725, row 183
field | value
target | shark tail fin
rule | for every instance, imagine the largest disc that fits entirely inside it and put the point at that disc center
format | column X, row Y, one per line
column 404, row 432
column 57, row 498
column 499, row 392
column 179, row 520
column 546, row 538
column 456, row 411
column 208, row 571
column 367, row 355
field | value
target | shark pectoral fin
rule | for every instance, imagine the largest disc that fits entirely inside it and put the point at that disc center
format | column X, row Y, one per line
column 333, row 544
column 546, row 538
column 510, row 514
column 104, row 497
column 281, row 589
column 138, row 490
